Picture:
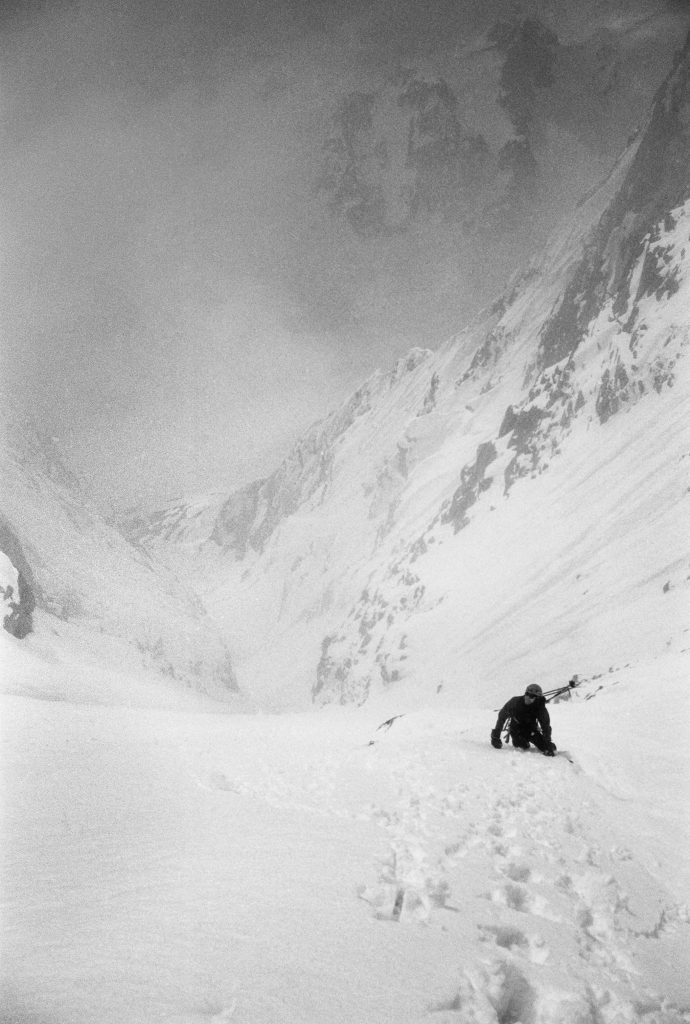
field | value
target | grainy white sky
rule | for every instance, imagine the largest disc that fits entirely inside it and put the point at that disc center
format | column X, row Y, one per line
column 177, row 305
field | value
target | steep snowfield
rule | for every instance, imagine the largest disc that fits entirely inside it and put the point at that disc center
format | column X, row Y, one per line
column 166, row 864
column 86, row 577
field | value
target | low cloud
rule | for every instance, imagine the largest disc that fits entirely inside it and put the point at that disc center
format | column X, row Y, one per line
column 162, row 228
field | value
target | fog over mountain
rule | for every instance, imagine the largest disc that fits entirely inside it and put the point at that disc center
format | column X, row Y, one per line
column 509, row 493
column 222, row 218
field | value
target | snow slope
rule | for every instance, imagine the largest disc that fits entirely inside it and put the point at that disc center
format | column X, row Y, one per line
column 163, row 864
column 84, row 577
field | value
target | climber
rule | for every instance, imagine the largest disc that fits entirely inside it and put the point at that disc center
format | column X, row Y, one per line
column 528, row 722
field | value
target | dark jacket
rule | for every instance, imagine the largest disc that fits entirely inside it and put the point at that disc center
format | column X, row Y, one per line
column 524, row 718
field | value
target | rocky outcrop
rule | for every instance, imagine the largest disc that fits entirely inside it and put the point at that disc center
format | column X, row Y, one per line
column 17, row 586
column 473, row 480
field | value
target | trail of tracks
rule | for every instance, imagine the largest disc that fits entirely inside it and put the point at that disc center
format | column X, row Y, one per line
column 514, row 847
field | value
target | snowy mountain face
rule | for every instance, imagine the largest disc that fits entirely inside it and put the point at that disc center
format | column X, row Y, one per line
column 16, row 584
column 11, row 599
column 441, row 172
column 413, row 149
column 516, row 497
column 407, row 151
column 67, row 575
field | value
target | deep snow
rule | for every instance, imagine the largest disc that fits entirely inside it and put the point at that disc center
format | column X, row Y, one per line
column 177, row 863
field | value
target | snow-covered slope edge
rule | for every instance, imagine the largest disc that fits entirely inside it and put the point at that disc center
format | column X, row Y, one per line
column 94, row 592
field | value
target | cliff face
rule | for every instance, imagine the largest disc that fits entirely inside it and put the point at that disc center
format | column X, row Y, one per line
column 17, row 586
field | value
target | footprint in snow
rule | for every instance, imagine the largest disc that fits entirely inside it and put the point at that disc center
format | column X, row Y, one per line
column 219, row 780
column 499, row 993
column 210, row 1011
column 516, row 941
column 517, row 871
column 519, row 898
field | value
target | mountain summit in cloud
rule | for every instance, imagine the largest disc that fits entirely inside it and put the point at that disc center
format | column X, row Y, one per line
column 220, row 218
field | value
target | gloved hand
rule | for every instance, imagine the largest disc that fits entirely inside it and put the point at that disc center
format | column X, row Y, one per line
column 496, row 739
column 550, row 750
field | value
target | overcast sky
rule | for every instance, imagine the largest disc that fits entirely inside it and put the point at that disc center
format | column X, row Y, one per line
column 177, row 307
